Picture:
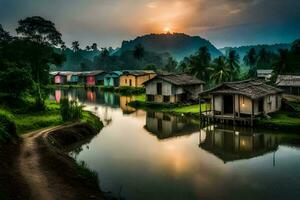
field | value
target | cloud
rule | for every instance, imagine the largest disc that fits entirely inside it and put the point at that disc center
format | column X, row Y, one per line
column 108, row 22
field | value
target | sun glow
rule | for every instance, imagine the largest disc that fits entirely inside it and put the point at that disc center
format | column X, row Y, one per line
column 167, row 29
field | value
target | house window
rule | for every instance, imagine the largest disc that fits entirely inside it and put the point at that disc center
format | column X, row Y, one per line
column 159, row 88
column 130, row 82
column 166, row 99
column 150, row 97
column 125, row 81
column 277, row 102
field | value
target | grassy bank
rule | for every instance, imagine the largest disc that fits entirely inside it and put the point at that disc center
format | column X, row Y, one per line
column 190, row 109
column 281, row 120
column 27, row 120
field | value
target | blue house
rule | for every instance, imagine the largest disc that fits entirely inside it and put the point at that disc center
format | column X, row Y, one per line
column 112, row 79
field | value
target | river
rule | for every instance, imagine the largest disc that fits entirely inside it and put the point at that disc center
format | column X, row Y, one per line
column 150, row 155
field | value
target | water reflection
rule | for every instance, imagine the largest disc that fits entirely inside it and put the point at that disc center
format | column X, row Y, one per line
column 153, row 155
column 235, row 144
column 164, row 125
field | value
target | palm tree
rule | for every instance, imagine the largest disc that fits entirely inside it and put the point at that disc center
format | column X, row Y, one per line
column 87, row 48
column 104, row 53
column 199, row 64
column 263, row 59
column 250, row 60
column 171, row 65
column 221, row 71
column 75, row 46
column 280, row 64
column 233, row 61
column 138, row 51
column 94, row 47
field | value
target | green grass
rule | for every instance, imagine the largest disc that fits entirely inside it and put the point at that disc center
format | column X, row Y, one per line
column 282, row 120
column 84, row 171
column 140, row 102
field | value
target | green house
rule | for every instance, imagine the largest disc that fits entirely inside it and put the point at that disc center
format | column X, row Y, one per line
column 112, row 79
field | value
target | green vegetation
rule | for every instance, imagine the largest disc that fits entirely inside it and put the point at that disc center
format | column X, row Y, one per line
column 84, row 171
column 70, row 110
column 281, row 120
column 140, row 102
column 7, row 126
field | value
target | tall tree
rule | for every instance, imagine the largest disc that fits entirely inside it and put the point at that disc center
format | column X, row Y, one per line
column 75, row 46
column 35, row 48
column 87, row 48
column 39, row 30
column 138, row 51
column 280, row 64
column 250, row 60
column 171, row 65
column 4, row 35
column 221, row 72
column 264, row 59
column 199, row 64
column 104, row 53
column 233, row 61
column 94, row 47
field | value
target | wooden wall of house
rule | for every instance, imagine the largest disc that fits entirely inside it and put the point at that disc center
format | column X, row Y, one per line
column 270, row 104
column 167, row 88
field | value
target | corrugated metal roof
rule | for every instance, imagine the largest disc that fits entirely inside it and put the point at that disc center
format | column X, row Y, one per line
column 288, row 81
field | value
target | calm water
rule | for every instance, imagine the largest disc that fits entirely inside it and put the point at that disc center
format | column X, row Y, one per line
column 140, row 155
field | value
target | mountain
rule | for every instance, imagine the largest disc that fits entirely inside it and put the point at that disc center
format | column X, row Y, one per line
column 74, row 60
column 242, row 50
column 179, row 45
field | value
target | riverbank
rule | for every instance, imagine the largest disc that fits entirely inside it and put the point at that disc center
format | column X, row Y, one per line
column 286, row 118
column 126, row 90
column 38, row 166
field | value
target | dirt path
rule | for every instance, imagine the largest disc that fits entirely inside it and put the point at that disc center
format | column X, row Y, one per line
column 51, row 175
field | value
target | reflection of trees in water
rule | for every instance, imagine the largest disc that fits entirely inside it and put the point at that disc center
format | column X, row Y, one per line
column 231, row 144
column 167, row 126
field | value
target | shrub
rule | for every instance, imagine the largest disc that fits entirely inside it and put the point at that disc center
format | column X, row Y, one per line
column 70, row 110
column 7, row 126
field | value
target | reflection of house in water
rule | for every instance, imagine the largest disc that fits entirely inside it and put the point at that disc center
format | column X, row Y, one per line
column 230, row 145
column 91, row 95
column 124, row 100
column 166, row 126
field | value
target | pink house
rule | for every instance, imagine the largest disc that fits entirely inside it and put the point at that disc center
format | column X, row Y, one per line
column 90, row 80
column 58, row 79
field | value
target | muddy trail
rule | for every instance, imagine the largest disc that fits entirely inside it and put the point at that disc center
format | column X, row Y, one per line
column 40, row 171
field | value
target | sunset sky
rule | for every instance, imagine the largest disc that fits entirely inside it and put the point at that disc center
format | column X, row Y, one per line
column 108, row 22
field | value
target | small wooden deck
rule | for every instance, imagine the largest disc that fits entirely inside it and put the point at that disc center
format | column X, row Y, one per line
column 210, row 117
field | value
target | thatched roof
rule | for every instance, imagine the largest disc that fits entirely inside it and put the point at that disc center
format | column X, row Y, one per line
column 253, row 89
column 288, row 81
column 178, row 79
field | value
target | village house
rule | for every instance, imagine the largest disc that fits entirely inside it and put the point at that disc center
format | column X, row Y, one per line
column 242, row 100
column 95, row 78
column 112, row 79
column 173, row 88
column 136, row 78
column 59, row 77
column 264, row 74
column 289, row 83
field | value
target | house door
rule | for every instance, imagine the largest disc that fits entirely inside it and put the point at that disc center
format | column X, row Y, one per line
column 130, row 82
column 228, row 104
